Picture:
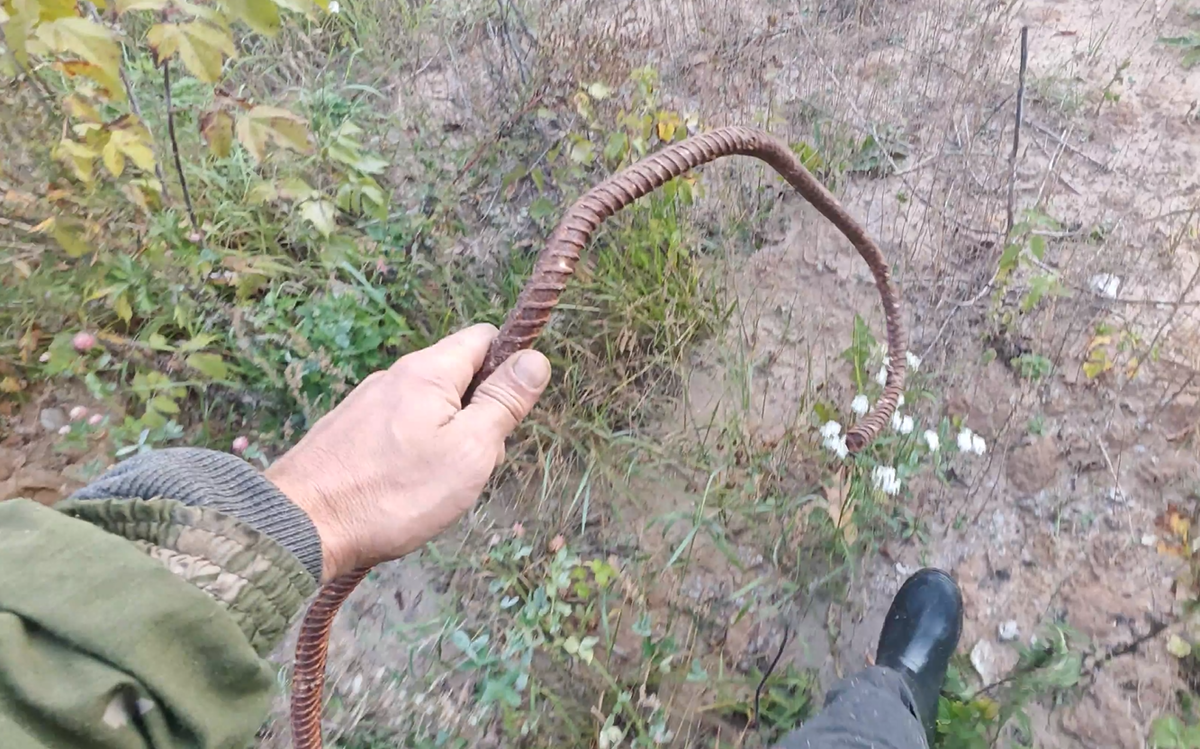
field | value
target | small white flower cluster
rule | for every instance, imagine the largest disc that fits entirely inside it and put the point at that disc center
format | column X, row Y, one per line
column 833, row 440
column 913, row 361
column 969, row 442
column 932, row 440
column 885, row 479
column 860, row 405
column 334, row 7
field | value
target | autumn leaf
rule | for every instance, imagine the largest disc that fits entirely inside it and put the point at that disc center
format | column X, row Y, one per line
column 124, row 6
column 52, row 10
column 321, row 214
column 260, row 15
column 261, row 192
column 263, row 124
column 211, row 365
column 77, row 157
column 217, row 130
column 201, row 46
column 110, row 86
column 145, row 193
column 69, row 233
column 82, row 38
column 128, row 139
column 21, row 17
column 79, row 108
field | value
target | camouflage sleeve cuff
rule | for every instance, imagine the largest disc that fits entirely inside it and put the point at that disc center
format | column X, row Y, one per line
column 218, row 524
column 256, row 580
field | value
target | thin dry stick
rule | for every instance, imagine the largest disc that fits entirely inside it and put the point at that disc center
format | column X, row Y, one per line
column 187, row 198
column 137, row 111
column 1012, row 159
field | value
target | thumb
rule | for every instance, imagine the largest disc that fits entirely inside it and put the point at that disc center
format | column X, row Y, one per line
column 506, row 397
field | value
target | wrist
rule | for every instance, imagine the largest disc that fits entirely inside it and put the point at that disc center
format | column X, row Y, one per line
column 335, row 559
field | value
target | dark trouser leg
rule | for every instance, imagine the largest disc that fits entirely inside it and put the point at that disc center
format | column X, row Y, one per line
column 873, row 709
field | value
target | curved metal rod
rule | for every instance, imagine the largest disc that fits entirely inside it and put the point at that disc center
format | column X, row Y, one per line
column 540, row 294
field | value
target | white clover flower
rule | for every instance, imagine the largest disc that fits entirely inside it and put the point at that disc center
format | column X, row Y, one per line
column 931, row 439
column 900, row 401
column 906, row 425
column 964, row 440
column 897, row 420
column 334, row 7
column 831, row 429
column 885, row 480
column 978, row 445
column 881, row 378
column 837, row 445
column 914, row 361
column 860, row 405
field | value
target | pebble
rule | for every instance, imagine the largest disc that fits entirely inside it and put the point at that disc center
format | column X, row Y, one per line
column 1009, row 631
column 1150, row 540
column 983, row 658
column 52, row 419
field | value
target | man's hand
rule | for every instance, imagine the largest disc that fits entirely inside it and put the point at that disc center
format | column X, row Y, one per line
column 399, row 460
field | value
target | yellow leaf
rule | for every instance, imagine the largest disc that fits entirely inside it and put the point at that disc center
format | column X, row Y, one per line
column 80, row 109
column 122, row 308
column 131, row 138
column 114, row 160
column 110, row 85
column 294, row 188
column 83, row 38
column 71, row 235
column 260, row 15
column 144, row 193
column 1178, row 647
column 263, row 124
column 11, row 385
column 668, row 123
column 262, row 192
column 78, row 158
column 321, row 214
column 22, row 15
column 1179, row 525
column 201, row 46
column 212, row 15
column 124, row 6
column 298, row 6
column 217, row 129
column 52, row 10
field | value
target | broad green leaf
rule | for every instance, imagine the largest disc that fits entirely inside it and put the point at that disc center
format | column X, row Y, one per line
column 1179, row 647
column 217, row 129
column 201, row 46
column 321, row 214
column 52, row 10
column 616, row 146
column 146, row 193
column 124, row 6
column 83, row 38
column 294, row 188
column 263, row 124
column 107, row 79
column 599, row 91
column 260, row 15
column 210, row 365
column 121, row 306
column 164, row 405
column 22, row 15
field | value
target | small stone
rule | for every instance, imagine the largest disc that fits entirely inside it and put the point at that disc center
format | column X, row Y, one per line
column 1149, row 540
column 983, row 658
column 903, row 570
column 1009, row 631
column 52, row 419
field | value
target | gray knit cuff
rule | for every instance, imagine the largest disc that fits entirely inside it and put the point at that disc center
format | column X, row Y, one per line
column 223, row 482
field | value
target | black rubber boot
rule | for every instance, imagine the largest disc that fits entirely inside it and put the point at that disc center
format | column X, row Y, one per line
column 919, row 635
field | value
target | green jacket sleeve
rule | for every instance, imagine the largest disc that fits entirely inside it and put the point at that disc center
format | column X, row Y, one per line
column 134, row 619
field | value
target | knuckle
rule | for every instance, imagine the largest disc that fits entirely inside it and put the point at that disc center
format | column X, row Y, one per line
column 505, row 397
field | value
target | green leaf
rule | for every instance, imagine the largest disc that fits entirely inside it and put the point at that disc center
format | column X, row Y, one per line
column 210, row 365
column 294, row 189
column 70, row 234
column 260, row 15
column 120, row 305
column 216, row 127
column 1178, row 647
column 201, row 46
column 618, row 143
column 163, row 404
column 262, row 192
column 542, row 208
column 599, row 91
column 262, row 124
column 1037, row 245
column 321, row 214
column 83, row 38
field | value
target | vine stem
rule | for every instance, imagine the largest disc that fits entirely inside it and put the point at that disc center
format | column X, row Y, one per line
column 187, row 198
